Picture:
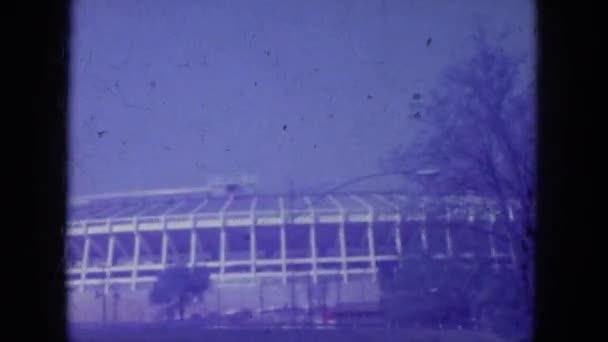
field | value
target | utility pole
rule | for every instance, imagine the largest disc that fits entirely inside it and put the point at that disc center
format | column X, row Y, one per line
column 219, row 300
column 309, row 290
column 102, row 295
column 116, row 297
column 261, row 294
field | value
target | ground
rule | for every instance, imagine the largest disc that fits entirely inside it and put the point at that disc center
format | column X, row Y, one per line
column 191, row 332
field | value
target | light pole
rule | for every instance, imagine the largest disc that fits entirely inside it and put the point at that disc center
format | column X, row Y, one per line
column 101, row 294
column 116, row 297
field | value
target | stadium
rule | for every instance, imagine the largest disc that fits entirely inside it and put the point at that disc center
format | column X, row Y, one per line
column 265, row 251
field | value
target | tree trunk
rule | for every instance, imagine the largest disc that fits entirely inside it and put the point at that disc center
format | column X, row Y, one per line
column 181, row 311
column 181, row 307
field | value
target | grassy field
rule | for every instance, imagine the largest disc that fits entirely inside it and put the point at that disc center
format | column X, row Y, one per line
column 188, row 332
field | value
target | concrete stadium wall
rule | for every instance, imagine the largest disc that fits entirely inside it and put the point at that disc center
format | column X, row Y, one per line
column 133, row 305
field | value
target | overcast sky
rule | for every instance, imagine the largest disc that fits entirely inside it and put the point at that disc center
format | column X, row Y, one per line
column 166, row 93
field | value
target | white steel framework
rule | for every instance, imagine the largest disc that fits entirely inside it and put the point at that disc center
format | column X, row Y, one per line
column 251, row 237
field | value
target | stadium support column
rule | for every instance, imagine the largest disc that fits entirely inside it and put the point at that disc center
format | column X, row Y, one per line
column 313, row 239
column 252, row 237
column 223, row 247
column 398, row 242
column 371, row 242
column 471, row 221
column 193, row 239
column 491, row 242
column 341, row 236
column 283, row 238
column 110, row 259
column 195, row 246
column 423, row 227
column 85, row 256
column 165, row 243
column 136, row 251
column 397, row 231
column 448, row 232
column 511, row 248
column 370, row 236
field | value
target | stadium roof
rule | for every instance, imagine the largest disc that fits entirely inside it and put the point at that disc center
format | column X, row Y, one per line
column 197, row 201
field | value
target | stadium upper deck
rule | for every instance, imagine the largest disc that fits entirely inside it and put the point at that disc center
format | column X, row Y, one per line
column 128, row 238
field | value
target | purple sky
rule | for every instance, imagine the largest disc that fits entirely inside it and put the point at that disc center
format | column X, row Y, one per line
column 188, row 89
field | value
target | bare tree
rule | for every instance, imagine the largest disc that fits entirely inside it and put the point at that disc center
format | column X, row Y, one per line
column 478, row 127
